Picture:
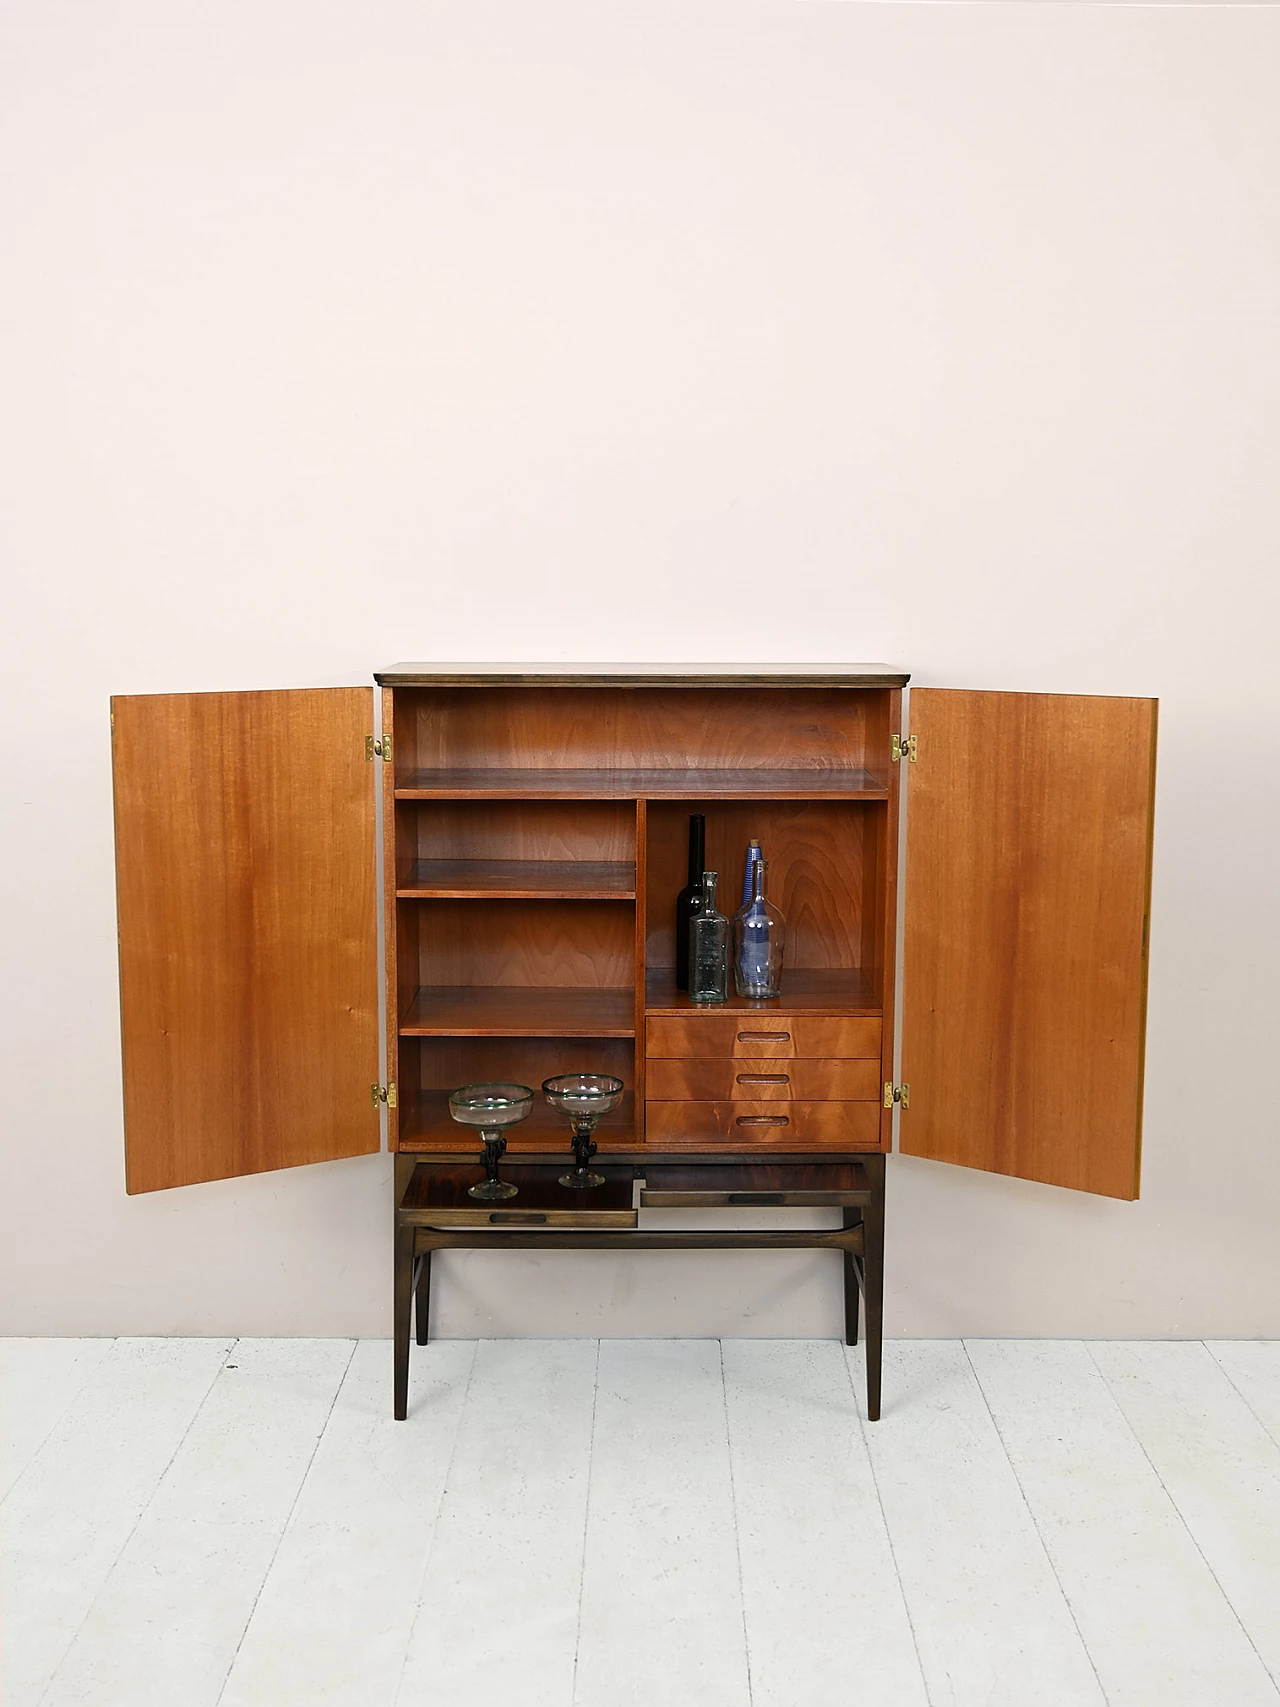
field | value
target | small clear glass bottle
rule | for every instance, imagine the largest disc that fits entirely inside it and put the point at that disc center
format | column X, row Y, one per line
column 709, row 947
column 759, row 939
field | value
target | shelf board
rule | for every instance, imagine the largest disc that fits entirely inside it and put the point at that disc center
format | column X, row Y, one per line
column 518, row 1010
column 835, row 993
column 518, row 879
column 807, row 784
column 426, row 1124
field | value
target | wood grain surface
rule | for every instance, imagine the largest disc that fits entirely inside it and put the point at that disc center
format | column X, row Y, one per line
column 517, row 880
column 393, row 833
column 728, row 783
column 511, row 1010
column 1024, row 974
column 247, row 919
column 817, row 873
column 760, row 1037
column 844, row 1125
column 518, row 830
column 671, row 728
column 426, row 1124
column 556, row 942
column 765, row 1080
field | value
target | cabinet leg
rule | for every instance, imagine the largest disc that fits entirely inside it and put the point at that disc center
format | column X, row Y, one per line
column 403, row 1300
column 850, row 1219
column 873, row 1278
column 422, row 1297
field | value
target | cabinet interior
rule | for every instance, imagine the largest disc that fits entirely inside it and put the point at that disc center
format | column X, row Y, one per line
column 539, row 837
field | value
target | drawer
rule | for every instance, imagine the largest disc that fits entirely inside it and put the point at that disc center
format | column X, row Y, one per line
column 728, row 1185
column 851, row 1125
column 764, row 1081
column 771, row 1036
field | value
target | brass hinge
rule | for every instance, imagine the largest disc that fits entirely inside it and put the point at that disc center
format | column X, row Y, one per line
column 901, row 1094
column 380, row 746
column 900, row 744
column 378, row 1094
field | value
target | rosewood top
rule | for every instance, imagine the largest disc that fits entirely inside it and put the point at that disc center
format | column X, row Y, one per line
column 642, row 675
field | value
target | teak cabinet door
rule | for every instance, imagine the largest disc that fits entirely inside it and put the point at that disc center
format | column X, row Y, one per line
column 247, row 914
column 1029, row 821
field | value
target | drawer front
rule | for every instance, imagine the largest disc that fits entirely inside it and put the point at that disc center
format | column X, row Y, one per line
column 771, row 1037
column 779, row 1080
column 850, row 1125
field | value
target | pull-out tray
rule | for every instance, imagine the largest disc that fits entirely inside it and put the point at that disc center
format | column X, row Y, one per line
column 438, row 1197
column 796, row 1185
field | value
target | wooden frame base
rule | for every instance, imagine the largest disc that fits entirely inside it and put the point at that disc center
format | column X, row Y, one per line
column 860, row 1243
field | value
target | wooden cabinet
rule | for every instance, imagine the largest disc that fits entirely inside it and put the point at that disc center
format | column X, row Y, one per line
column 534, row 829
column 534, row 833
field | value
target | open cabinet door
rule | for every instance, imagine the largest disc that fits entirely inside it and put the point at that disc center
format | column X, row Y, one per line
column 248, row 962
column 1028, row 884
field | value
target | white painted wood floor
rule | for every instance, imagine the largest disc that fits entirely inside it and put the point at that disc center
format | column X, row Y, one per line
column 217, row 1523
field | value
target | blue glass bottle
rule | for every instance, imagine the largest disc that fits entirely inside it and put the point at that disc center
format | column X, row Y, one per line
column 759, row 939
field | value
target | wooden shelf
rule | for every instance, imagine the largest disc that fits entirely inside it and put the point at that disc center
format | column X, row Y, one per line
column 426, row 1124
column 518, row 879
column 517, row 1010
column 802, row 784
column 837, row 993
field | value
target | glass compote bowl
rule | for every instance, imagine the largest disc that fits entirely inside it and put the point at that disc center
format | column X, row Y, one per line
column 584, row 1097
column 491, row 1108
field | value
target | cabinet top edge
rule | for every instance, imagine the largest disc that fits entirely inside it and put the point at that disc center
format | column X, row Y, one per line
column 642, row 675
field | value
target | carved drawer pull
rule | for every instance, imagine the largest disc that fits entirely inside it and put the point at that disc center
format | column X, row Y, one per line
column 764, row 1120
column 516, row 1217
column 764, row 1037
column 764, row 1078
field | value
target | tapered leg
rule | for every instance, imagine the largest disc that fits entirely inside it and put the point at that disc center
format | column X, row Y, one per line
column 422, row 1297
column 403, row 1300
column 850, row 1218
column 873, row 1277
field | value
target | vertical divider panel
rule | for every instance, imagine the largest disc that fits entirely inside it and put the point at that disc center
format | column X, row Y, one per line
column 641, row 969
column 390, row 921
column 887, row 863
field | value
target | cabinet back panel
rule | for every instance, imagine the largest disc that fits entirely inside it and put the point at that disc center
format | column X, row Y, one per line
column 641, row 728
column 518, row 829
column 818, row 872
column 590, row 944
column 444, row 1063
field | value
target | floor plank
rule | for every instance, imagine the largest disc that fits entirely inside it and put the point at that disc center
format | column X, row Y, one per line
column 38, row 1380
column 1253, row 1369
column 1157, row 1626
column 825, row 1616
column 661, row 1597
column 167, row 1622
column 499, row 1599
column 67, row 1520
column 1220, row 1466
column 332, row 1623
column 991, row 1624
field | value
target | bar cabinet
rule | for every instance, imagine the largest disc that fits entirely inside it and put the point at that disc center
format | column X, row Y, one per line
column 534, row 822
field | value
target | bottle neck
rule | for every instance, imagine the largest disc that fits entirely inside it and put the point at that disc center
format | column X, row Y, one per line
column 709, row 880
column 758, row 870
column 697, row 848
